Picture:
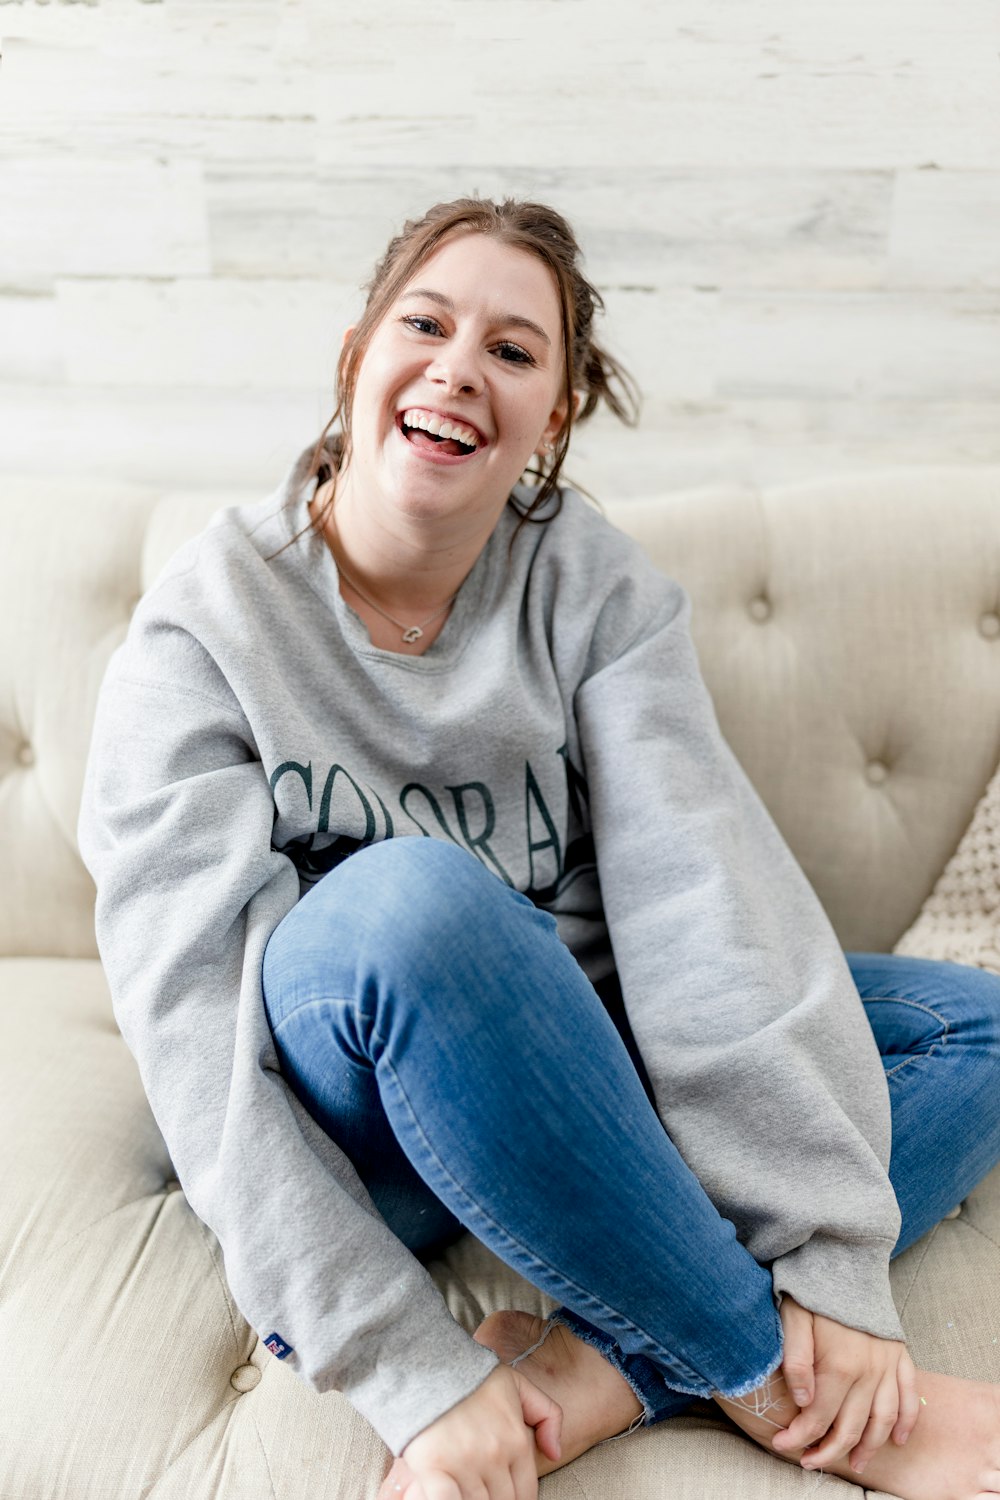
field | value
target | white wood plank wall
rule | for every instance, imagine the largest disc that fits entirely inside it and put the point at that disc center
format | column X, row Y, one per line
column 791, row 209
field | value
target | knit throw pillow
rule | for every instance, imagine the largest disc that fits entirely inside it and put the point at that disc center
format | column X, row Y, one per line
column 960, row 920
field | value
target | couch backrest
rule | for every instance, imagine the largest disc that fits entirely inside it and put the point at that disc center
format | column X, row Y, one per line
column 77, row 557
column 848, row 629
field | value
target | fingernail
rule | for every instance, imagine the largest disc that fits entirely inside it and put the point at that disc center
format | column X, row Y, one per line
column 904, row 1437
column 860, row 1467
column 801, row 1397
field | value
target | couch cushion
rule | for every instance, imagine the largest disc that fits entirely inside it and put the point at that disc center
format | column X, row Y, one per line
column 129, row 1370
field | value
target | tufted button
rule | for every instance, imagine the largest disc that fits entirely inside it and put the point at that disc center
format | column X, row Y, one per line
column 245, row 1378
column 760, row 608
column 26, row 754
column 954, row 1213
column 989, row 625
column 876, row 772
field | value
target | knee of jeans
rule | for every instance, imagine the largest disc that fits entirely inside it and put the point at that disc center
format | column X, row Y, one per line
column 409, row 900
column 416, row 869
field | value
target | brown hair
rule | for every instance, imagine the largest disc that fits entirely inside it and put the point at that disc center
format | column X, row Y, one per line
column 542, row 232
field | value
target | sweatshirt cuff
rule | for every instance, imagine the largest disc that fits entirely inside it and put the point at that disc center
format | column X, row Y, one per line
column 418, row 1374
column 847, row 1281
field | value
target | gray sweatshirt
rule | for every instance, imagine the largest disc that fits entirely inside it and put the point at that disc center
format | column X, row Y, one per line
column 249, row 736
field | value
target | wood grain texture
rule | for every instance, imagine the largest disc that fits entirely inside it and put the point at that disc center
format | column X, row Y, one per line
column 793, row 219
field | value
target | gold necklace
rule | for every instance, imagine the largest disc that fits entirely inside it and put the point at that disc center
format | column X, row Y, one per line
column 411, row 633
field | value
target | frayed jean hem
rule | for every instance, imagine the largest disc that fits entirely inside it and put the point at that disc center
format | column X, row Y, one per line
column 752, row 1385
column 646, row 1380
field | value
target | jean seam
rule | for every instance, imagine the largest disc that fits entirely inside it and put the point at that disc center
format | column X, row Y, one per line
column 703, row 1388
column 913, row 1005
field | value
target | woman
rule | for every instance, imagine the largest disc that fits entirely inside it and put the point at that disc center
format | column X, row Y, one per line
column 399, row 791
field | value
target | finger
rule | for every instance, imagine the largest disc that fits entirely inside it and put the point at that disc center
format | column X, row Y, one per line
column 909, row 1398
column 885, row 1410
column 435, row 1486
column 846, row 1431
column 798, row 1361
column 548, row 1435
column 396, row 1481
column 815, row 1422
column 502, row 1487
column 544, row 1415
column 525, row 1477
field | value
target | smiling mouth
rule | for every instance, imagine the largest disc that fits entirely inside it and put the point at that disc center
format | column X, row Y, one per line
column 433, row 443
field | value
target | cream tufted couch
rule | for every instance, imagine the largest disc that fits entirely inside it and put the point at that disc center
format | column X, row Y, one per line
column 849, row 632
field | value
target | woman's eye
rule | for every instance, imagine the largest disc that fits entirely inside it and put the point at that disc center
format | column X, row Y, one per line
column 521, row 356
column 512, row 353
column 416, row 318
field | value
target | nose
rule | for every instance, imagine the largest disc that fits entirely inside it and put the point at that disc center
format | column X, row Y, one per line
column 456, row 367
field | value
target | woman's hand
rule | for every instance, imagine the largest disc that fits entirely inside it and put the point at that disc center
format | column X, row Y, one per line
column 855, row 1389
column 484, row 1447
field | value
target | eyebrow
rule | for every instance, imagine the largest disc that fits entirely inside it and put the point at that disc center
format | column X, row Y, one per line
column 509, row 320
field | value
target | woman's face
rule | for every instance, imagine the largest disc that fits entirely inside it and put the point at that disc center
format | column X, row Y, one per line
column 475, row 337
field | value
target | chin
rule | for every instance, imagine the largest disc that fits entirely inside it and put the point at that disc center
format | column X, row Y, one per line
column 438, row 495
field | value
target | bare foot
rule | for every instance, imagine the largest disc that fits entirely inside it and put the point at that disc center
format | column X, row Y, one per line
column 953, row 1452
column 597, row 1401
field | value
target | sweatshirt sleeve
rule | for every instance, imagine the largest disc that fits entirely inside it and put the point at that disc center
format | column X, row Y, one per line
column 764, row 1068
column 175, row 829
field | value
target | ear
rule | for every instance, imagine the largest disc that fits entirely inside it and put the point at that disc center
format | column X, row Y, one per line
column 557, row 419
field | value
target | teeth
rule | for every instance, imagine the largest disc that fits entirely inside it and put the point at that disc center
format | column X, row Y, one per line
column 416, row 417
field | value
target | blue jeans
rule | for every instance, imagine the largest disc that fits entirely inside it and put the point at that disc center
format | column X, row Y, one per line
column 435, row 1025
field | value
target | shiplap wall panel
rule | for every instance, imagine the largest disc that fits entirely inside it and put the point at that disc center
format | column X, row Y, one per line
column 945, row 229
column 675, row 227
column 792, row 212
column 75, row 217
column 264, row 333
column 861, row 344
